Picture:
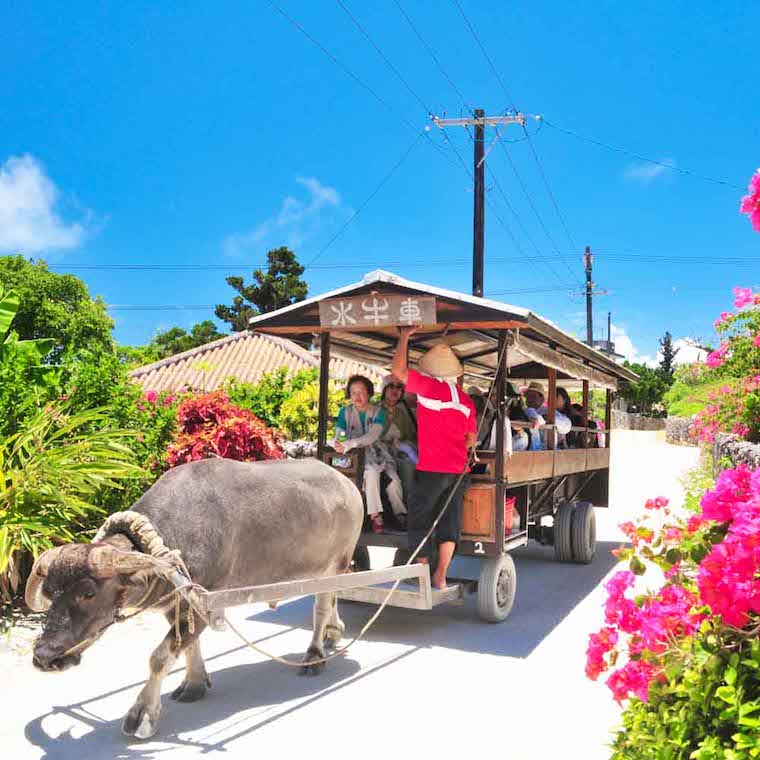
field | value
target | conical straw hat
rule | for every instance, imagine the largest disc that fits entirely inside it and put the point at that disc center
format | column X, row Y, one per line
column 441, row 361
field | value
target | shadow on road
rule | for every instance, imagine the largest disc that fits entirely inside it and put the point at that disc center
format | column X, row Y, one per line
column 547, row 592
column 253, row 695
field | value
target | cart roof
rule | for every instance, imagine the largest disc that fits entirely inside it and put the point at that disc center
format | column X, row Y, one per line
column 470, row 325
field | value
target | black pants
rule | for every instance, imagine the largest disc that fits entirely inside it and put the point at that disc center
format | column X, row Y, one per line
column 430, row 493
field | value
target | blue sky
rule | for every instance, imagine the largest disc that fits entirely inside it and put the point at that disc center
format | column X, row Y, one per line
column 144, row 133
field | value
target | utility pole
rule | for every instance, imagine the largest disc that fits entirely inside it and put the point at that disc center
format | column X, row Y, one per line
column 479, row 121
column 478, row 211
column 588, row 260
column 590, row 292
column 609, row 328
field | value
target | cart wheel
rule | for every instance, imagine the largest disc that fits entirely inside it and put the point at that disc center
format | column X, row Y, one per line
column 401, row 557
column 496, row 588
column 583, row 532
column 361, row 558
column 563, row 517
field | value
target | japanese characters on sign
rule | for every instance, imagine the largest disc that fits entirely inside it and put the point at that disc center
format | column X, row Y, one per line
column 377, row 310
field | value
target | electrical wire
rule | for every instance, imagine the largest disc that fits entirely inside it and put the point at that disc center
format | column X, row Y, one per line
column 639, row 157
column 377, row 189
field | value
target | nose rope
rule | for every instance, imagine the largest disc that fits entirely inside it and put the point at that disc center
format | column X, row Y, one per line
column 164, row 568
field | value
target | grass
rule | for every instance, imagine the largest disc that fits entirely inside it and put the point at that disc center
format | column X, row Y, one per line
column 686, row 400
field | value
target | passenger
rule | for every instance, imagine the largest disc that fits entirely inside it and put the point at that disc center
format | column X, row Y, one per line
column 447, row 431
column 534, row 402
column 361, row 425
column 537, row 412
column 577, row 438
column 400, row 431
column 562, row 418
column 515, row 438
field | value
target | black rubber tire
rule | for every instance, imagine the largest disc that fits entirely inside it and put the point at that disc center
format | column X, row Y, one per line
column 361, row 558
column 583, row 533
column 401, row 557
column 497, row 587
column 563, row 519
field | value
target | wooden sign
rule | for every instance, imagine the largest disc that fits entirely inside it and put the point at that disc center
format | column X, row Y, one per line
column 377, row 310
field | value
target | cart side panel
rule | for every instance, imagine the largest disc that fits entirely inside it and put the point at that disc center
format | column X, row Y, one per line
column 597, row 459
column 527, row 466
column 567, row 461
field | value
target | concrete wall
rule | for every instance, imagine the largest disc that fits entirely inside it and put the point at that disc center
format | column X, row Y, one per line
column 626, row 421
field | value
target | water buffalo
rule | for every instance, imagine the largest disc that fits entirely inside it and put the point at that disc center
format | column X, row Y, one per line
column 236, row 524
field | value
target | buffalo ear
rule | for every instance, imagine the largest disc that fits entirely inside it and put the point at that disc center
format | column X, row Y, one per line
column 35, row 599
column 105, row 561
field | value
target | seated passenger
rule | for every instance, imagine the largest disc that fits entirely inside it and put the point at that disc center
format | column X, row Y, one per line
column 515, row 438
column 576, row 439
column 537, row 412
column 400, row 431
column 360, row 425
column 562, row 418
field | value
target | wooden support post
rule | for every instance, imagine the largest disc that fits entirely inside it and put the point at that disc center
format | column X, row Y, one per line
column 584, row 415
column 324, row 393
column 501, row 431
column 608, row 417
column 551, row 404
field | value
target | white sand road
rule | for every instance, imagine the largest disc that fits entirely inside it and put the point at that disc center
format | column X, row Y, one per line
column 441, row 681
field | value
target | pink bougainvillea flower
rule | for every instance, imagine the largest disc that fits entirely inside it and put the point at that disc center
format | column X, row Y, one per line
column 750, row 204
column 725, row 316
column 740, row 429
column 716, row 358
column 673, row 534
column 694, row 523
column 151, row 397
column 756, row 341
column 743, row 297
column 657, row 503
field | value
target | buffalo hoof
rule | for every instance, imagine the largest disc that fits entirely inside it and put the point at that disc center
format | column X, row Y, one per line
column 309, row 667
column 141, row 721
column 189, row 691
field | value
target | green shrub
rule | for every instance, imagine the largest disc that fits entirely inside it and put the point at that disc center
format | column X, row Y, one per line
column 299, row 416
column 265, row 398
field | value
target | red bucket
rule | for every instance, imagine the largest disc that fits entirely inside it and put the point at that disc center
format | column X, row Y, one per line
column 509, row 510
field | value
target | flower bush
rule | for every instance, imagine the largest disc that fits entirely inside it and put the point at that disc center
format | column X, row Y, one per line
column 685, row 658
column 751, row 202
column 209, row 425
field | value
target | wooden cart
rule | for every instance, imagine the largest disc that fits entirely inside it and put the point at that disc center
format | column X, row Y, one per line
column 554, row 490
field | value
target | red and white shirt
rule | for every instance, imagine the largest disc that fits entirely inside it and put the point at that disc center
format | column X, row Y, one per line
column 445, row 414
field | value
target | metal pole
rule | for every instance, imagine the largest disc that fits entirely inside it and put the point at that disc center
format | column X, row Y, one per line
column 588, row 260
column 478, row 236
column 609, row 328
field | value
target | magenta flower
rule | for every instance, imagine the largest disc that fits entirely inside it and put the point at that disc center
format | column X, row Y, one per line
column 725, row 316
column 718, row 357
column 751, row 202
column 743, row 297
column 756, row 341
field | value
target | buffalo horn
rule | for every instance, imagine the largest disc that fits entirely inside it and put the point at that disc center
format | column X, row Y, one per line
column 35, row 599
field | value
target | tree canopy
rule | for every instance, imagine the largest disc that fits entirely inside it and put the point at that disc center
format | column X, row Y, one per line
column 56, row 306
column 281, row 285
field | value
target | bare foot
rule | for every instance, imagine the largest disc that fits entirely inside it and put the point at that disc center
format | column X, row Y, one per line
column 438, row 581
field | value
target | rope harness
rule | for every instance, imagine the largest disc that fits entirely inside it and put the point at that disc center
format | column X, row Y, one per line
column 168, row 562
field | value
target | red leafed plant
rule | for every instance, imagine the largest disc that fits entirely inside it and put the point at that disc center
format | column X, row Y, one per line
column 209, row 425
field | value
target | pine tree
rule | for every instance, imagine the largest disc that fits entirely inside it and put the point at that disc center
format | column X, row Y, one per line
column 281, row 285
column 667, row 363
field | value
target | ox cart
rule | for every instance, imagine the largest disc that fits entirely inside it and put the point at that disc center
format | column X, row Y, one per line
column 546, row 495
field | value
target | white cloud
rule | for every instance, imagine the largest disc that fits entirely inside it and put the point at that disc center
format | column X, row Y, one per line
column 624, row 346
column 296, row 221
column 29, row 220
column 645, row 173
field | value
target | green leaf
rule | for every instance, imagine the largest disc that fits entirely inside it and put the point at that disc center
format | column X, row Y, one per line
column 637, row 566
column 9, row 303
column 730, row 676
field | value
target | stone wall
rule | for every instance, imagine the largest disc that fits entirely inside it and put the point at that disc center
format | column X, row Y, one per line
column 626, row 421
column 677, row 430
column 738, row 452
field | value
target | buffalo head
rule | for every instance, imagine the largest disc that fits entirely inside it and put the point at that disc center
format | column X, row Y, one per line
column 82, row 587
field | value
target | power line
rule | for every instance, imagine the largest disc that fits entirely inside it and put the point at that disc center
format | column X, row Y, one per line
column 432, row 55
column 384, row 57
column 527, row 135
column 349, row 72
column 639, row 157
column 731, row 261
column 356, row 213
